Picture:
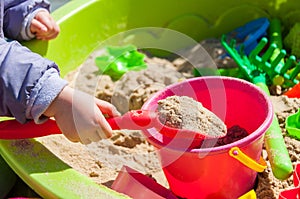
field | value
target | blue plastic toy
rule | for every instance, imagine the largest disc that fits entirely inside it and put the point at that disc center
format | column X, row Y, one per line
column 249, row 34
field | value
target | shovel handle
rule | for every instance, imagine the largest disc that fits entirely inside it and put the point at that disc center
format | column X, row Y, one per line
column 133, row 120
column 12, row 129
column 278, row 154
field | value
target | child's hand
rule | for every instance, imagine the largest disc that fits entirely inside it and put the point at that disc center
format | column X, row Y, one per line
column 80, row 116
column 44, row 26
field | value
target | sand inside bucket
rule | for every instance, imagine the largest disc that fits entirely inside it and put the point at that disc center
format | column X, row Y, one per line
column 183, row 112
column 103, row 160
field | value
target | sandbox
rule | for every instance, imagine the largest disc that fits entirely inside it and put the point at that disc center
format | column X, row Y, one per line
column 86, row 25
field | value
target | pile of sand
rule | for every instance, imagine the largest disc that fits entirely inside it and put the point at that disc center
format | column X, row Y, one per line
column 182, row 112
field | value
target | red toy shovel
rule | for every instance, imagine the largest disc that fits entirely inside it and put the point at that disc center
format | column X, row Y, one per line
column 132, row 120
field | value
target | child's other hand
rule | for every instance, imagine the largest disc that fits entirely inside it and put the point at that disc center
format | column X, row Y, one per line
column 80, row 116
column 44, row 26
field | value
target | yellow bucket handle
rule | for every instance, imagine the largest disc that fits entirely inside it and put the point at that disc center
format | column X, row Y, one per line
column 249, row 195
column 236, row 153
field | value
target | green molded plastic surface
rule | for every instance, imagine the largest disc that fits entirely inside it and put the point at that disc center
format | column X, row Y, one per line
column 7, row 178
column 292, row 125
column 120, row 59
column 86, row 25
column 47, row 175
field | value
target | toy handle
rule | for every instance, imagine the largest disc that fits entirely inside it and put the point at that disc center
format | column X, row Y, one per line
column 276, row 38
column 12, row 129
column 236, row 153
column 133, row 120
column 256, row 29
column 278, row 154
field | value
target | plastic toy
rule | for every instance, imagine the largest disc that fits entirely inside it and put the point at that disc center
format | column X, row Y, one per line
column 249, row 195
column 271, row 63
column 212, row 171
column 236, row 153
column 133, row 120
column 276, row 38
column 258, row 70
column 249, row 34
column 120, row 60
column 292, row 125
column 7, row 180
column 294, row 92
column 256, row 66
column 139, row 186
column 293, row 192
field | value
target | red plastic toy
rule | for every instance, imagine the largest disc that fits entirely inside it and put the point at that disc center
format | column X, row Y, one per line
column 294, row 92
column 293, row 193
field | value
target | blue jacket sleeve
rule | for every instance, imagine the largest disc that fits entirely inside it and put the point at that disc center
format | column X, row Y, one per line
column 28, row 82
column 18, row 15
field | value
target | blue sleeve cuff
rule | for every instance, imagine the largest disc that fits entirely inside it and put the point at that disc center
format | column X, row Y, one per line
column 42, row 95
column 18, row 16
column 25, row 33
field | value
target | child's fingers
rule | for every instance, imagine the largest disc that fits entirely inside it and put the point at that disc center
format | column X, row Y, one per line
column 44, row 26
column 107, row 108
column 45, row 18
column 46, row 36
column 104, row 129
column 37, row 27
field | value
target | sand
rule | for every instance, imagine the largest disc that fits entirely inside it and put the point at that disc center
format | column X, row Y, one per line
column 101, row 161
column 183, row 112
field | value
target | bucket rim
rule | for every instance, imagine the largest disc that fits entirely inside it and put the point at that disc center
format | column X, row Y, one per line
column 255, row 135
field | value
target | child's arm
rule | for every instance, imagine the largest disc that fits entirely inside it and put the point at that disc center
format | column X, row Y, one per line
column 31, row 89
column 28, row 82
column 18, row 16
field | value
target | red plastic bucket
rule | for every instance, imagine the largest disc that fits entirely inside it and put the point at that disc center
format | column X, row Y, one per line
column 213, row 172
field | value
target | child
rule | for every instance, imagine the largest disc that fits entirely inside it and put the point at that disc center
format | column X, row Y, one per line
column 30, row 86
